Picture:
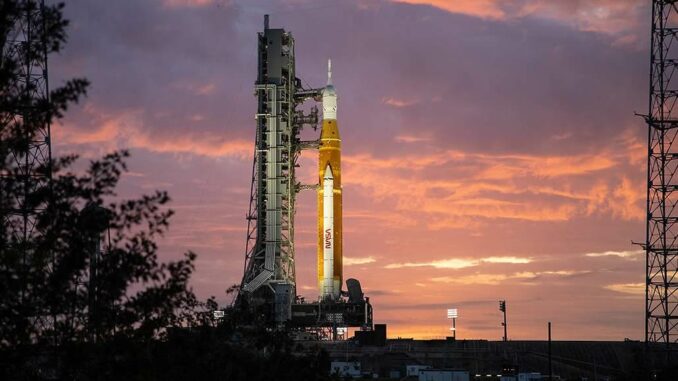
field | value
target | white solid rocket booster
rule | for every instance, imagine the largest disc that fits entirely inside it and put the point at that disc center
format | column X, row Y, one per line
column 328, row 229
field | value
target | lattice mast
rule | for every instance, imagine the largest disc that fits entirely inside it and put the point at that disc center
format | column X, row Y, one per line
column 269, row 278
column 661, row 245
column 32, row 161
column 25, row 124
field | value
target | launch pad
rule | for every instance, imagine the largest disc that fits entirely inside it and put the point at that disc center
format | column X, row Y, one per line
column 268, row 286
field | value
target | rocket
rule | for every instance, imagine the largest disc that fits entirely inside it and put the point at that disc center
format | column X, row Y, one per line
column 329, row 197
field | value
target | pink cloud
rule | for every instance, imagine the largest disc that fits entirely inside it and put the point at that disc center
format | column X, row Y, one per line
column 412, row 139
column 490, row 9
column 126, row 129
column 611, row 17
column 187, row 3
column 399, row 103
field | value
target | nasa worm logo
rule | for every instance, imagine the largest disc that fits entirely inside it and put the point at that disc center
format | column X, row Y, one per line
column 328, row 239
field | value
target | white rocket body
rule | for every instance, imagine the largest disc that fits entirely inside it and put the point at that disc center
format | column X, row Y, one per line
column 329, row 198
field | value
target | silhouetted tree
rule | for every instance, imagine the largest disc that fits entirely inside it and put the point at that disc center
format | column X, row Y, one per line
column 85, row 296
column 89, row 270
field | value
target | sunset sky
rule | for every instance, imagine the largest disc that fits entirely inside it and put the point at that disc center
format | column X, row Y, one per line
column 490, row 147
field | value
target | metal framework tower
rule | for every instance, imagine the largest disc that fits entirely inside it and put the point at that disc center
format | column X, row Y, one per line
column 32, row 160
column 269, row 278
column 661, row 245
column 25, row 121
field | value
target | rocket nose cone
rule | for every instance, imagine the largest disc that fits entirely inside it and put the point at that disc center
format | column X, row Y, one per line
column 328, row 173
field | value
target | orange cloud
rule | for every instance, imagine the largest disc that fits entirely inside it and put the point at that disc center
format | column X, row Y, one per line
column 628, row 254
column 496, row 166
column 350, row 261
column 453, row 263
column 627, row 288
column 507, row 260
column 126, row 130
column 460, row 263
column 473, row 187
column 496, row 279
column 629, row 200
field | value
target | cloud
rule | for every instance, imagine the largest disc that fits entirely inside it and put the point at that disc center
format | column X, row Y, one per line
column 513, row 260
column 399, row 103
column 350, row 261
column 188, row 3
column 613, row 17
column 459, row 263
column 456, row 189
column 439, row 264
column 196, row 88
column 481, row 279
column 411, row 139
column 496, row 279
column 490, row 165
column 627, row 288
column 629, row 196
column 627, row 254
column 127, row 129
column 489, row 9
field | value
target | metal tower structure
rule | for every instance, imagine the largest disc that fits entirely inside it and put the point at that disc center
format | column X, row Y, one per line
column 24, row 122
column 269, row 281
column 661, row 244
column 32, row 159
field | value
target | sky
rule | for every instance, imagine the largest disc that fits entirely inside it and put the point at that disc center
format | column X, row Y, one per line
column 490, row 148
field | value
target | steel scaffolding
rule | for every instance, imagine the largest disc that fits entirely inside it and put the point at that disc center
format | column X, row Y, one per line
column 269, row 277
column 661, row 244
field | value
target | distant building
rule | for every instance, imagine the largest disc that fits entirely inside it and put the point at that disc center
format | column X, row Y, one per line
column 529, row 377
column 346, row 368
column 443, row 375
column 414, row 370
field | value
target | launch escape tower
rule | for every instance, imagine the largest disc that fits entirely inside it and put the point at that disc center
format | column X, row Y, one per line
column 26, row 45
column 269, row 277
column 661, row 244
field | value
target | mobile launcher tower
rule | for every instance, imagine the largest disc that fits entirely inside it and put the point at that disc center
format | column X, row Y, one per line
column 268, row 287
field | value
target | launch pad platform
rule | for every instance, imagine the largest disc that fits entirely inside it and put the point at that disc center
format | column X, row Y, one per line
column 269, row 287
column 332, row 314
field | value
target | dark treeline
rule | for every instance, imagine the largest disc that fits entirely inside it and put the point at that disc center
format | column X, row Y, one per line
column 83, row 294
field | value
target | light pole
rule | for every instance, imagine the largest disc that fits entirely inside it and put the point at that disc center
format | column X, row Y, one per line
column 550, row 359
column 452, row 314
column 502, row 308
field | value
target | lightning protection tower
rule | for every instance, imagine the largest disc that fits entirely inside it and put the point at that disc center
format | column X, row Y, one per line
column 24, row 121
column 661, row 244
